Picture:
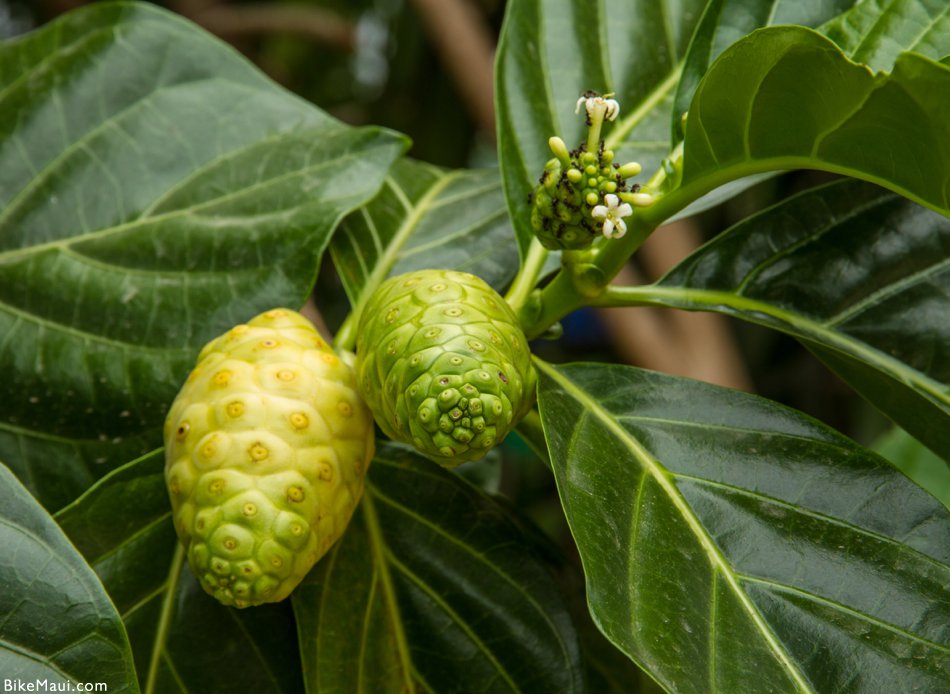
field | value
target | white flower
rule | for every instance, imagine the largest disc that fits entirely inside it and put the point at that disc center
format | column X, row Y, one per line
column 592, row 103
column 612, row 215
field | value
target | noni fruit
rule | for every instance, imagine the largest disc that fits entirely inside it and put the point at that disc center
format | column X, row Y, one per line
column 443, row 364
column 266, row 451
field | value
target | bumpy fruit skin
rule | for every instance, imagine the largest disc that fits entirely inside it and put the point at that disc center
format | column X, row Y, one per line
column 266, row 451
column 443, row 364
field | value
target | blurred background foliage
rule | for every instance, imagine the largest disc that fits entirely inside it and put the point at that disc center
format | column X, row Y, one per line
column 424, row 67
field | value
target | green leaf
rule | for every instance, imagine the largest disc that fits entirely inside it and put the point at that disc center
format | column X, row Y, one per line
column 433, row 588
column 733, row 545
column 551, row 51
column 425, row 217
column 155, row 189
column 726, row 21
column 56, row 621
column 183, row 640
column 875, row 32
column 859, row 275
column 787, row 97
column 916, row 461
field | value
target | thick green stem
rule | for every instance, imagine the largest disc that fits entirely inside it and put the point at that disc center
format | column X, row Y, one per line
column 528, row 276
column 345, row 338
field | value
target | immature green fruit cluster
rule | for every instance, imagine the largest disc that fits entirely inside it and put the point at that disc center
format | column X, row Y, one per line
column 573, row 186
column 266, row 451
column 443, row 364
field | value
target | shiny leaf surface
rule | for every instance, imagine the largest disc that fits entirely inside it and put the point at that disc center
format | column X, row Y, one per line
column 726, row 21
column 155, row 188
column 433, row 588
column 551, row 51
column 427, row 217
column 57, row 624
column 753, row 112
column 183, row 640
column 733, row 545
column 858, row 274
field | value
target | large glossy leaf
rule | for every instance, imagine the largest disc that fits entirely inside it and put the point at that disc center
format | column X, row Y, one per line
column 155, row 188
column 56, row 622
column 433, row 588
column 858, row 274
column 551, row 51
column 183, row 640
column 426, row 217
column 734, row 545
column 787, row 97
column 726, row 21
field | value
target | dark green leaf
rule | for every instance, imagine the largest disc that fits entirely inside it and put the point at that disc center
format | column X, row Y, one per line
column 875, row 32
column 426, row 217
column 916, row 461
column 858, row 274
column 56, row 621
column 786, row 97
column 726, row 21
column 734, row 545
column 155, row 189
column 433, row 588
column 183, row 640
column 551, row 51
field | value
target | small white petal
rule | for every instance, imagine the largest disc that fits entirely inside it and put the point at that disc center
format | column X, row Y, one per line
column 621, row 228
column 624, row 210
column 580, row 102
column 613, row 109
column 608, row 228
column 611, row 200
column 599, row 213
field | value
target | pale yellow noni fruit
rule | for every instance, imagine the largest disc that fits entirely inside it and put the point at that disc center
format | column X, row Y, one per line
column 266, row 451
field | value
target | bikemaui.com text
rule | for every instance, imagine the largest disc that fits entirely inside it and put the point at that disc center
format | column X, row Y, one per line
column 39, row 685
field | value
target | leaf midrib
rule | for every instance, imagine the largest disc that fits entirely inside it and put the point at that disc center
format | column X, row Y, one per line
column 803, row 326
column 659, row 474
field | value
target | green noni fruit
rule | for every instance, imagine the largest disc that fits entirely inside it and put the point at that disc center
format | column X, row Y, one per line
column 266, row 451
column 443, row 364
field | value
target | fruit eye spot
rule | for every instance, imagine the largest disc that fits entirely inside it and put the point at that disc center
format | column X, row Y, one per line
column 173, row 486
column 443, row 381
column 391, row 315
column 299, row 420
column 438, row 287
column 276, row 561
column 235, row 409
column 183, row 429
column 453, row 312
column 294, row 493
column 258, row 452
column 208, row 450
column 433, row 332
column 328, row 358
column 326, row 473
column 296, row 530
column 345, row 408
column 249, row 509
column 222, row 378
column 391, row 349
column 216, row 486
column 200, row 524
column 455, row 361
column 230, row 543
column 269, row 344
column 286, row 375
column 476, row 345
column 504, row 379
column 239, row 329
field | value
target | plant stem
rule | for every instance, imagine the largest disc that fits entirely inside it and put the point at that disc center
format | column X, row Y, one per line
column 345, row 338
column 528, row 275
column 165, row 618
column 532, row 432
